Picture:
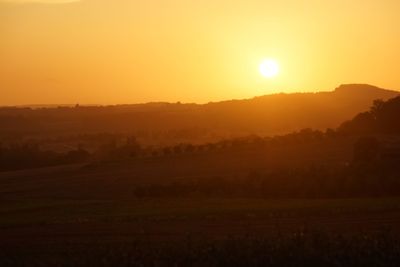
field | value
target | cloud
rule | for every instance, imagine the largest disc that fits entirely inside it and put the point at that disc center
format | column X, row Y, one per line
column 40, row 1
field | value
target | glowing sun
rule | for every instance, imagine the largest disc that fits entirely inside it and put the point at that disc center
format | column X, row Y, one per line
column 269, row 68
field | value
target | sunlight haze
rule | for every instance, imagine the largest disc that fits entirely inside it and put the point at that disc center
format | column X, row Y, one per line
column 127, row 51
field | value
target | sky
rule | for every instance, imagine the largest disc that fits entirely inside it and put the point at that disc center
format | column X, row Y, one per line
column 128, row 51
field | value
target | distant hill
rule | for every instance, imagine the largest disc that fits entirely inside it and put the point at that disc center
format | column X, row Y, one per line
column 264, row 115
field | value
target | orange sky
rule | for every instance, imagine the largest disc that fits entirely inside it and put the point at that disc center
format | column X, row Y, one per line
column 126, row 51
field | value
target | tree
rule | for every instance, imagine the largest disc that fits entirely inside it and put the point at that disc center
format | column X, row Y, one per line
column 177, row 149
column 78, row 155
column 366, row 149
column 189, row 148
column 167, row 151
column 330, row 133
column 132, row 147
column 382, row 118
column 363, row 123
column 377, row 107
column 387, row 115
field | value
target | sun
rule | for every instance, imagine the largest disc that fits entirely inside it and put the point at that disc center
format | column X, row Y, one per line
column 269, row 68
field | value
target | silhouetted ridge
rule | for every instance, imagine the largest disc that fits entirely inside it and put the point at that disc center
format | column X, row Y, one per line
column 174, row 122
column 356, row 86
column 361, row 89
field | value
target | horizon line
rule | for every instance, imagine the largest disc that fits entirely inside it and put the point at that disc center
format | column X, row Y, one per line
column 70, row 105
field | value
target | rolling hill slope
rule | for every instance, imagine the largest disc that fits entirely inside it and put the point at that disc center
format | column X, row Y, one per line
column 265, row 115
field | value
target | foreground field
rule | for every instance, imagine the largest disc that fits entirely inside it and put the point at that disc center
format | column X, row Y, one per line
column 89, row 215
column 201, row 232
column 166, row 219
column 298, row 249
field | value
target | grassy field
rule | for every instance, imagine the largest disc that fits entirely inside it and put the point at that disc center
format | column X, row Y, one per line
column 201, row 232
column 163, row 218
column 87, row 215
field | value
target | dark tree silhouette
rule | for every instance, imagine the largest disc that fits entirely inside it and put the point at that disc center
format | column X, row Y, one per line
column 363, row 123
column 383, row 118
column 366, row 149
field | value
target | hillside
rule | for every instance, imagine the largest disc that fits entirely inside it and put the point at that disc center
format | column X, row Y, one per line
column 152, row 122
